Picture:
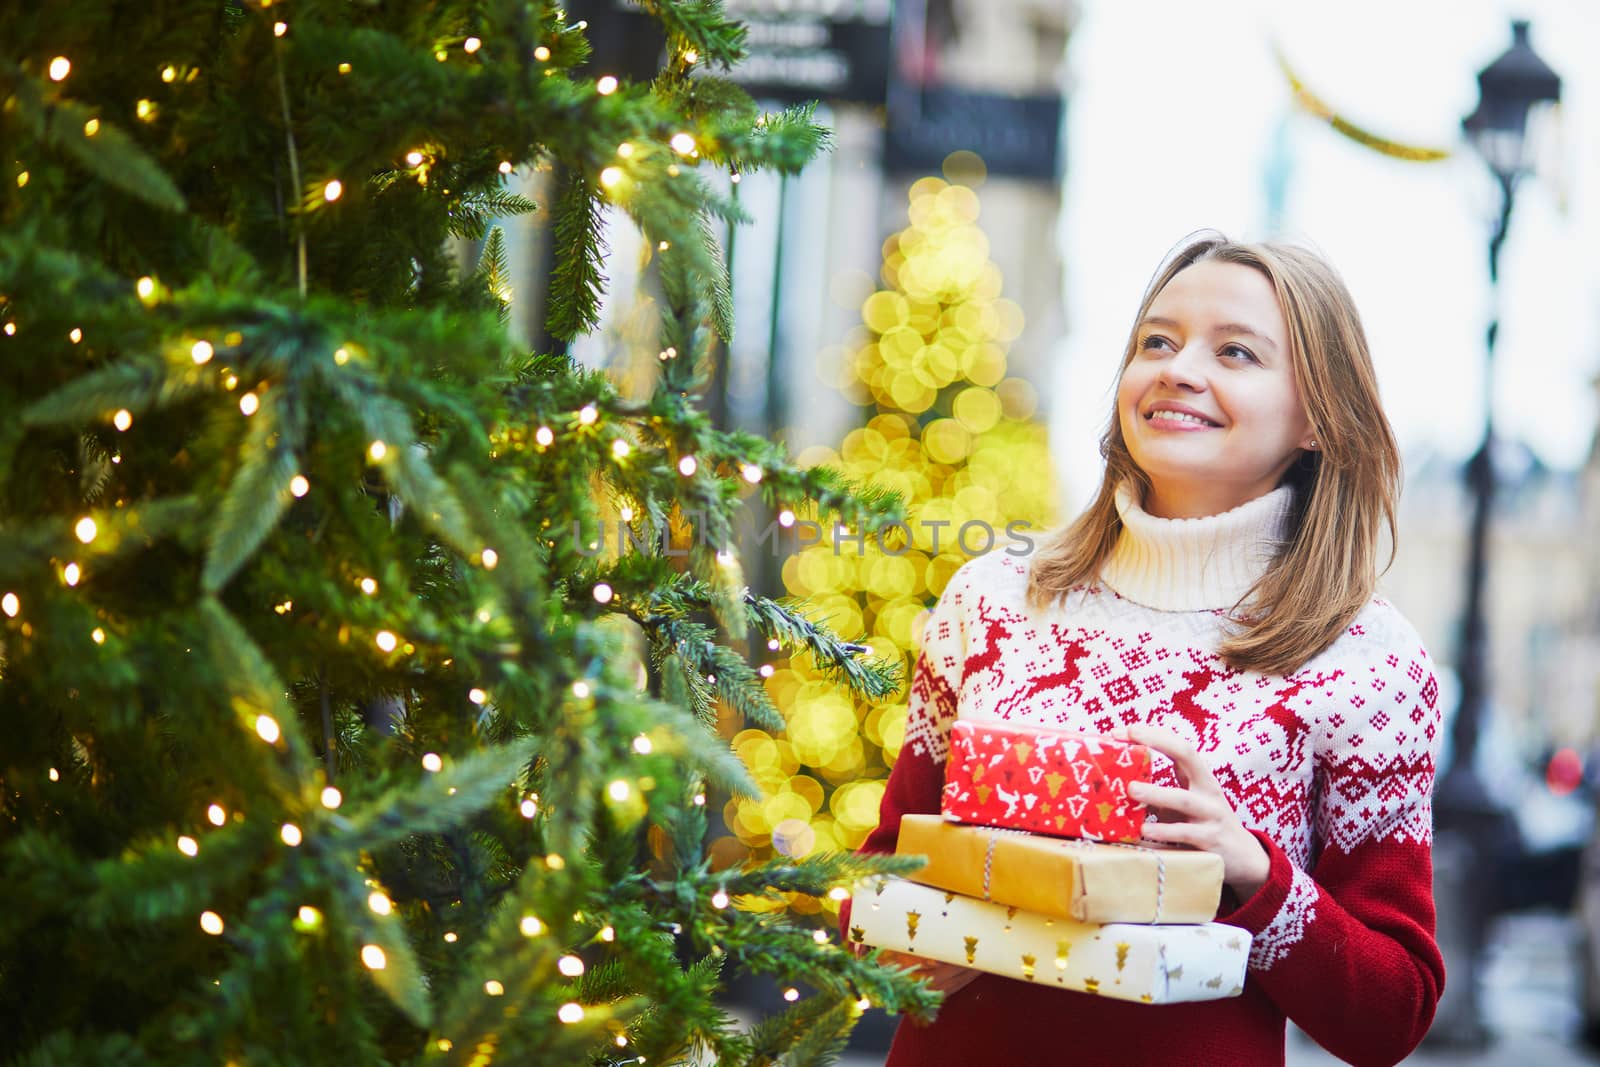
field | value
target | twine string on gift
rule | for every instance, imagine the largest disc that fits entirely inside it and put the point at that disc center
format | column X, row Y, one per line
column 1161, row 861
column 1161, row 872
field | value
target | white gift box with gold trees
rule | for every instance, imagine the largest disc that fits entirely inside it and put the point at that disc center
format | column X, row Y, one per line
column 1128, row 961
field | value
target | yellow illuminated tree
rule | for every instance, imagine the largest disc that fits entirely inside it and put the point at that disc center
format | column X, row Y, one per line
column 946, row 428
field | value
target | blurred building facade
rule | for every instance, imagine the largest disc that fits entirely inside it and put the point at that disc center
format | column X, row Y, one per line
column 1543, row 592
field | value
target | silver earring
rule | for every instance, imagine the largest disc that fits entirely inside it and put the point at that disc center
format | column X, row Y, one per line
column 1313, row 446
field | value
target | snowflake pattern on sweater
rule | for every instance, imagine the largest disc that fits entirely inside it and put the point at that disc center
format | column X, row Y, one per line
column 1331, row 767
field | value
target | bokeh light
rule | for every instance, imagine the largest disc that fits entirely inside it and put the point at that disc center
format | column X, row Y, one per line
column 946, row 428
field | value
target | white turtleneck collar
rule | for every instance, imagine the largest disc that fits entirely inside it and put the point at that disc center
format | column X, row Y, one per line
column 1195, row 564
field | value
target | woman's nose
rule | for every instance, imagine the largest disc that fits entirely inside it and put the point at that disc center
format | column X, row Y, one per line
column 1185, row 369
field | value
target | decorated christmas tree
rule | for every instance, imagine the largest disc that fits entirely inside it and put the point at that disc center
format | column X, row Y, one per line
column 947, row 429
column 332, row 734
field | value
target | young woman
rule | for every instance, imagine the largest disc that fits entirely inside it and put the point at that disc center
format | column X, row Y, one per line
column 1215, row 603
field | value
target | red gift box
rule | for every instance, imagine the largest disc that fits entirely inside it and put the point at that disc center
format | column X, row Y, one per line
column 1043, row 780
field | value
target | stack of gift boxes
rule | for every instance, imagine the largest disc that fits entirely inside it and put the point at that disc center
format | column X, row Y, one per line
column 1034, row 872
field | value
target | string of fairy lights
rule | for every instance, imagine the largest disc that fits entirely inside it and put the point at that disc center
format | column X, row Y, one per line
column 954, row 435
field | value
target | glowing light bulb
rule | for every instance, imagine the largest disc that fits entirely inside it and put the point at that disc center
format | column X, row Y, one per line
column 571, row 966
column 386, row 641
column 619, row 790
column 145, row 109
column 201, row 352
column 531, row 926
column 309, row 916
column 719, row 899
column 699, row 800
column 602, row 592
column 291, row 835
column 608, row 933
column 491, row 559
column 791, row 994
column 541, row 53
column 766, row 670
column 642, row 745
column 85, row 529
column 554, row 861
column 820, row 936
column 863, row 1004
column 544, row 436
column 621, row 448
column 267, row 729
column 211, row 923
column 588, row 414
column 751, row 472
column 505, row 166
column 122, row 419
column 341, row 356
column 377, row 450
column 344, row 68
column 71, row 573
column 624, row 149
column 494, row 988
column 75, row 335
column 215, row 815
column 333, row 190
column 414, row 158
column 331, row 798
column 606, row 85
column 169, row 74
column 580, row 689
column 682, row 143
column 10, row 605
column 471, row 45
column 379, row 902
column 98, row 636
column 785, row 518
column 688, row 465
column 476, row 695
column 369, row 586
column 450, row 937
column 299, row 485
column 60, row 67
column 91, row 127
column 570, row 1012
column 529, row 808
column 622, row 1042
column 249, row 404
column 279, row 29
column 373, row 957
column 432, row 762
column 188, row 846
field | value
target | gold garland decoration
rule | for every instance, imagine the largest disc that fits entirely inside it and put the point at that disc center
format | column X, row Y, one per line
column 1315, row 105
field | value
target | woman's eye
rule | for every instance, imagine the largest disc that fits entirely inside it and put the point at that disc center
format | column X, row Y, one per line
column 1154, row 341
column 1239, row 352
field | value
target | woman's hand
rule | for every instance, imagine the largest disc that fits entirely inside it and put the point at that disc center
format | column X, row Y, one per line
column 1198, row 814
column 947, row 978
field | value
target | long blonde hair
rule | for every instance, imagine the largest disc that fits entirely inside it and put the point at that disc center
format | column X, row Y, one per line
column 1344, row 493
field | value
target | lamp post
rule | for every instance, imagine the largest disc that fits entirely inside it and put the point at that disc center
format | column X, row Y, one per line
column 1471, row 831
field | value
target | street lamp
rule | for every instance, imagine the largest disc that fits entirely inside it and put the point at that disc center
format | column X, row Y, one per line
column 1472, row 831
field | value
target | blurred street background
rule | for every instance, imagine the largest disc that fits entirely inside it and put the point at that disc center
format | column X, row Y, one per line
column 938, row 307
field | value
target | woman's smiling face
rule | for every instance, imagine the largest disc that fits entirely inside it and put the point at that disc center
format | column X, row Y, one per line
column 1208, row 404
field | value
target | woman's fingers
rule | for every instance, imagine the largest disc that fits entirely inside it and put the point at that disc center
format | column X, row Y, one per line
column 1186, row 761
column 1165, row 797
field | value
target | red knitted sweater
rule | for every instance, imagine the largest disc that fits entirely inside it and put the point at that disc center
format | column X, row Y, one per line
column 1331, row 767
